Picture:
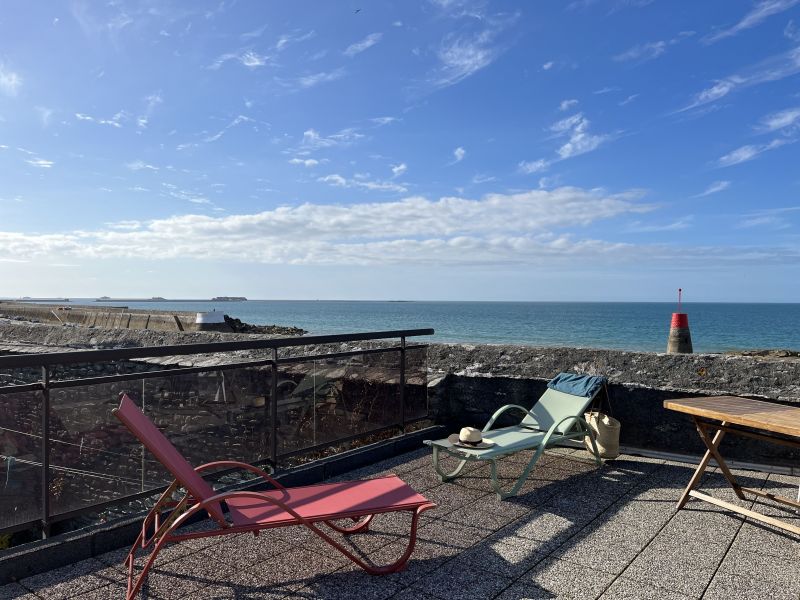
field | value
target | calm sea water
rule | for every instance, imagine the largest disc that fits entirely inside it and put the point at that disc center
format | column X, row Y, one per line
column 621, row 325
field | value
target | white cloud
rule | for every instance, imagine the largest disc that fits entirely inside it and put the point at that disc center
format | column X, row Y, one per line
column 306, row 162
column 140, row 165
column 381, row 121
column 749, row 152
column 774, row 68
column 10, row 82
column 780, row 120
column 313, row 80
column 151, row 102
column 763, row 10
column 459, row 154
column 773, row 218
column 294, row 37
column 629, row 99
column 580, row 140
column 45, row 114
column 567, row 104
column 792, row 31
column 639, row 227
column 248, row 58
column 461, row 56
column 366, row 43
column 115, row 121
column 534, row 166
column 714, row 188
column 254, row 34
column 497, row 228
column 313, row 140
column 650, row 50
column 548, row 65
column 606, row 90
column 361, row 181
column 237, row 121
column 399, row 170
column 40, row 163
column 643, row 52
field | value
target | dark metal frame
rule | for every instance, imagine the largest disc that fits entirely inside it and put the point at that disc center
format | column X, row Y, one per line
column 45, row 361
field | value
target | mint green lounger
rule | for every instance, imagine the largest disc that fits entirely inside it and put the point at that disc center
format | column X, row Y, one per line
column 557, row 416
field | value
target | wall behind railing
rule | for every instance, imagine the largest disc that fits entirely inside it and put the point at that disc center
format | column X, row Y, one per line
column 469, row 382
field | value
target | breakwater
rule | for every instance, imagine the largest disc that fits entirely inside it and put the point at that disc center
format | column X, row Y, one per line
column 122, row 317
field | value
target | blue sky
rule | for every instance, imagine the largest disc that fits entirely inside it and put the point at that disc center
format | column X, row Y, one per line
column 441, row 149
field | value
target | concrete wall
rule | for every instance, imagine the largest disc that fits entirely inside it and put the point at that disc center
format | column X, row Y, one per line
column 101, row 316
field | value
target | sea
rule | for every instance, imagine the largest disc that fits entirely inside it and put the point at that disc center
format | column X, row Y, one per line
column 640, row 326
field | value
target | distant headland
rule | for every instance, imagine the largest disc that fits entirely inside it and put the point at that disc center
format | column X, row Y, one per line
column 160, row 299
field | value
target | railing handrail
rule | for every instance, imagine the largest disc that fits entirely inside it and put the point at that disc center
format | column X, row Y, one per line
column 94, row 356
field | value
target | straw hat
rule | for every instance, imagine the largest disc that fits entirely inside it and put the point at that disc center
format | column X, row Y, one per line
column 470, row 437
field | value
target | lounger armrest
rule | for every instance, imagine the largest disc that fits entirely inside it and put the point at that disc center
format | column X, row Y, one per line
column 500, row 411
column 243, row 466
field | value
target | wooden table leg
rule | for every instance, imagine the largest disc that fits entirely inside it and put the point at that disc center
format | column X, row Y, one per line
column 698, row 474
column 712, row 448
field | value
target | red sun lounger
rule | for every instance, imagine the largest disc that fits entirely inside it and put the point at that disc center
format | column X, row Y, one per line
column 250, row 511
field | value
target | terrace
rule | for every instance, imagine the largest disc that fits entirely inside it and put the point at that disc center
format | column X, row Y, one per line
column 574, row 531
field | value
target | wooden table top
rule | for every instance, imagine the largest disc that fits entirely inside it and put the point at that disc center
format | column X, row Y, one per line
column 742, row 411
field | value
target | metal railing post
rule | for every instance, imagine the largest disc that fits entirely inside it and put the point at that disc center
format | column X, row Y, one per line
column 45, row 452
column 274, row 409
column 403, row 384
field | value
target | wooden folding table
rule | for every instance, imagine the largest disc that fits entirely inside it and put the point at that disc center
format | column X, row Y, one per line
column 739, row 416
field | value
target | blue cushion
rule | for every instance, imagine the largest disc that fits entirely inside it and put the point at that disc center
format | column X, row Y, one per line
column 577, row 385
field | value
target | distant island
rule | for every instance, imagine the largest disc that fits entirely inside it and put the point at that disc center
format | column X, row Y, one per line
column 160, row 299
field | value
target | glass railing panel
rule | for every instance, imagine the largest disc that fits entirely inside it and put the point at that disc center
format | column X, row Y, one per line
column 20, row 458
column 93, row 457
column 213, row 415
column 416, row 393
column 208, row 416
column 297, row 398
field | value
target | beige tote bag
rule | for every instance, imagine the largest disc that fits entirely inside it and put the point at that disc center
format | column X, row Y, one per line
column 606, row 433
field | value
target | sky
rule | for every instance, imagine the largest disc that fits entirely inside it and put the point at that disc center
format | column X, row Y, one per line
column 438, row 149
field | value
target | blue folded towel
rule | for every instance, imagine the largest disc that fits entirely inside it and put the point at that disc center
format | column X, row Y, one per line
column 577, row 385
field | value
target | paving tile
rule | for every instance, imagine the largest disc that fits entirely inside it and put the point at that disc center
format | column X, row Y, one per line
column 244, row 585
column 630, row 589
column 454, row 580
column 451, row 497
column 560, row 579
column 607, row 550
column 741, row 585
column 508, row 555
column 413, row 594
column 548, row 528
column 775, row 571
column 14, row 591
column 69, row 581
column 351, row 584
column 185, row 577
column 488, row 512
column 245, row 549
column 114, row 591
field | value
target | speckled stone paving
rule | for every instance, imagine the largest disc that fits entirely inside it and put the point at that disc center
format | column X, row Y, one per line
column 575, row 531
